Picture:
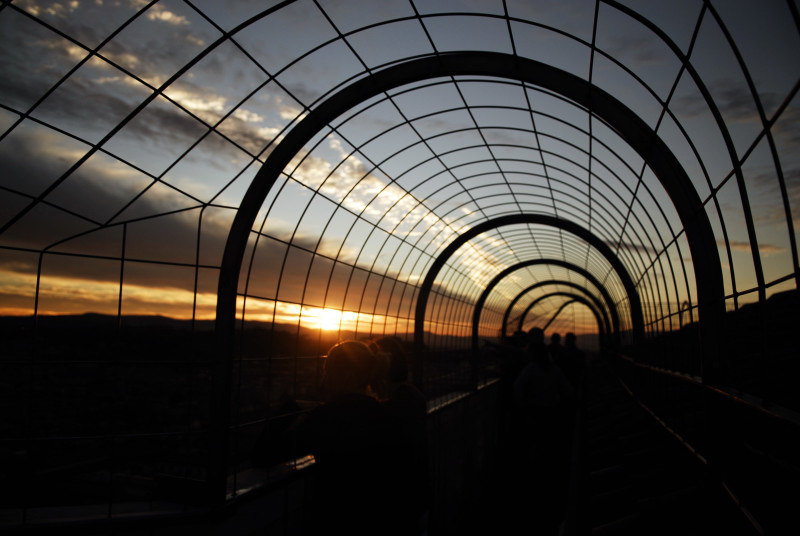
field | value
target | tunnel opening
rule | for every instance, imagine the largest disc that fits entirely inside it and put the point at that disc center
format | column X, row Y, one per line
column 198, row 204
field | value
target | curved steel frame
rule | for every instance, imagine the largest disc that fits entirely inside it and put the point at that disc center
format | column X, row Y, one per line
column 555, row 294
column 630, row 127
column 637, row 316
column 573, row 298
column 611, row 326
column 476, row 314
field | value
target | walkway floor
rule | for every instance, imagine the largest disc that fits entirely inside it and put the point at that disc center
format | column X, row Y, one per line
column 636, row 479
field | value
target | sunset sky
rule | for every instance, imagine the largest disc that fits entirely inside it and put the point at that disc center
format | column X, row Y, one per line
column 131, row 130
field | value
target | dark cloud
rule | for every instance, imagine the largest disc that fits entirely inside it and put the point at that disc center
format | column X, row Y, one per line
column 786, row 128
column 733, row 99
column 648, row 251
column 640, row 49
column 764, row 249
column 34, row 157
column 92, row 101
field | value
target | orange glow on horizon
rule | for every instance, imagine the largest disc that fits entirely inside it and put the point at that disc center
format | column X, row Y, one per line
column 59, row 296
column 328, row 319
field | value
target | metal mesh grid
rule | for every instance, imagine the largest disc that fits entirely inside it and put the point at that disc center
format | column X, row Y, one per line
column 131, row 133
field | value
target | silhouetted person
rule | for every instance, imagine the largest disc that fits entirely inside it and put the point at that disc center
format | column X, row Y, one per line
column 541, row 388
column 408, row 405
column 545, row 399
column 573, row 360
column 513, row 356
column 355, row 444
column 555, row 348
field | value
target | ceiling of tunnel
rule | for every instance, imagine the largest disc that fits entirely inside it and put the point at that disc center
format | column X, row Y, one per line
column 130, row 133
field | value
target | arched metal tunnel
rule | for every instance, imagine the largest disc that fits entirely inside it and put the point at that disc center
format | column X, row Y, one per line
column 198, row 201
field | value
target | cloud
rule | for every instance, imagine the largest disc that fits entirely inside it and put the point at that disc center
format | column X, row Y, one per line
column 159, row 13
column 32, row 60
column 640, row 48
column 56, row 9
column 786, row 127
column 766, row 203
column 736, row 102
column 349, row 182
column 648, row 251
column 33, row 157
column 206, row 105
column 64, row 295
column 733, row 99
column 764, row 249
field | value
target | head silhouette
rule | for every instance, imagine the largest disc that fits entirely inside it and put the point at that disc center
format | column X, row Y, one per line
column 535, row 337
column 398, row 364
column 537, row 347
column 349, row 367
column 570, row 340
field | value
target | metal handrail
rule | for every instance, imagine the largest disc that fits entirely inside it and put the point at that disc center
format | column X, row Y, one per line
column 736, row 395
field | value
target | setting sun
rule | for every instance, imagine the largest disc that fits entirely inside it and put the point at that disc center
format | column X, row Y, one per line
column 329, row 319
